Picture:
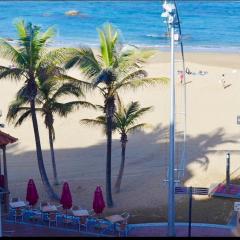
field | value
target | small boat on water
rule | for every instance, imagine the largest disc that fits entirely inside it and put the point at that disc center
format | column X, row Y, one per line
column 72, row 13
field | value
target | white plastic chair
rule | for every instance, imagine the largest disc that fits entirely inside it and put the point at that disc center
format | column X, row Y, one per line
column 18, row 213
column 123, row 225
column 52, row 218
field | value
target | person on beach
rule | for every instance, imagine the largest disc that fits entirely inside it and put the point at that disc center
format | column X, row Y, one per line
column 222, row 80
column 181, row 76
column 188, row 71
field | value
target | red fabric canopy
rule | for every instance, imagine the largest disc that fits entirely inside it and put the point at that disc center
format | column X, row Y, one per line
column 98, row 201
column 66, row 198
column 32, row 194
column 6, row 139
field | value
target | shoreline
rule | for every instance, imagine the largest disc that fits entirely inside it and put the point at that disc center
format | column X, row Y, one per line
column 163, row 48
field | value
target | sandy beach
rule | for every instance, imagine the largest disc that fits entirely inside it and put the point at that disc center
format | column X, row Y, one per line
column 212, row 131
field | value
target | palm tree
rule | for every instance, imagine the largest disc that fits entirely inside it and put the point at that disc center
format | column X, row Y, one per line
column 115, row 68
column 126, row 119
column 124, row 122
column 49, row 93
column 31, row 61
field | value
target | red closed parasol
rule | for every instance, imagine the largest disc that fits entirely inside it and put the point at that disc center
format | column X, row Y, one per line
column 98, row 201
column 32, row 194
column 66, row 198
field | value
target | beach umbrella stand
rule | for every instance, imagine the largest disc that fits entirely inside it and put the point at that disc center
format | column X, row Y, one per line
column 98, row 201
column 66, row 197
column 32, row 194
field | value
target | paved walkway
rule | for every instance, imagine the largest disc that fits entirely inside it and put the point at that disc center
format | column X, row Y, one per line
column 160, row 230
column 135, row 230
column 26, row 228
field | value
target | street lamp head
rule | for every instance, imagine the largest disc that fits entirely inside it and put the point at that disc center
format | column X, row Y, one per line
column 169, row 7
column 169, row 13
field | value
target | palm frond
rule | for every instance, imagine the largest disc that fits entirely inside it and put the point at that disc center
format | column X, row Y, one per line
column 100, row 121
column 108, row 37
column 138, row 74
column 134, row 116
column 68, row 89
column 32, row 42
column 21, row 29
column 134, row 84
column 65, row 108
column 23, row 117
column 138, row 127
column 48, row 34
column 22, row 94
column 72, row 56
column 7, row 51
column 132, row 108
column 85, row 86
column 87, row 62
column 127, row 116
column 46, row 89
column 131, row 58
column 16, row 108
column 11, row 73
column 56, row 57
column 100, row 107
column 48, row 70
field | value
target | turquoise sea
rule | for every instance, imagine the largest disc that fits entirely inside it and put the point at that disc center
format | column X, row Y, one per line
column 211, row 25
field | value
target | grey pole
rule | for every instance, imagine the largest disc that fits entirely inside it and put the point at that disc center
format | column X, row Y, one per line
column 228, row 169
column 190, row 212
column 170, row 15
column 171, row 183
column 1, row 215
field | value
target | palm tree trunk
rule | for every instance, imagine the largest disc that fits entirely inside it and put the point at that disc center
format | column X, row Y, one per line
column 108, row 164
column 0, row 164
column 56, row 182
column 120, row 173
column 41, row 167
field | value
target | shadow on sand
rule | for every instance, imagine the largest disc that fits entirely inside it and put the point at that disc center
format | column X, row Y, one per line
column 146, row 155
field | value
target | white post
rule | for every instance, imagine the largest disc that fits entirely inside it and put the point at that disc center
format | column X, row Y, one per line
column 171, row 180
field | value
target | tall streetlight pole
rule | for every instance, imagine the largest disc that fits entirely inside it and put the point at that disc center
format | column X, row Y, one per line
column 171, row 180
column 170, row 15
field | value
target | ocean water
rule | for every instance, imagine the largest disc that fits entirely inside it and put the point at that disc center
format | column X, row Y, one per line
column 211, row 25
